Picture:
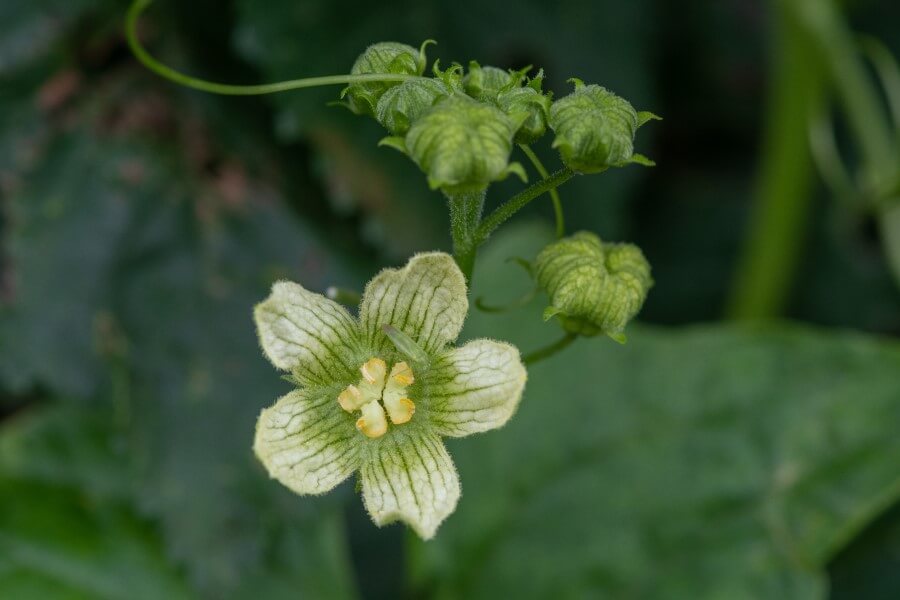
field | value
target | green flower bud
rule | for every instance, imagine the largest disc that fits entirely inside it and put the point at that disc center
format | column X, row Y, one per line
column 484, row 83
column 462, row 145
column 594, row 287
column 533, row 105
column 595, row 129
column 400, row 106
column 387, row 58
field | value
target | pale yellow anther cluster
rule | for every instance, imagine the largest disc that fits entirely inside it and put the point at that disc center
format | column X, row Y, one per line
column 376, row 392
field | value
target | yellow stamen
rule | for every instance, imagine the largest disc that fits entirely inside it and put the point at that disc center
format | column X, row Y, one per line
column 373, row 370
column 402, row 374
column 400, row 410
column 351, row 398
column 378, row 397
column 372, row 422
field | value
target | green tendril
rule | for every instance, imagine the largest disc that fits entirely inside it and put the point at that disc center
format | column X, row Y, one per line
column 481, row 305
column 548, row 351
column 554, row 194
column 138, row 7
column 888, row 72
column 826, row 156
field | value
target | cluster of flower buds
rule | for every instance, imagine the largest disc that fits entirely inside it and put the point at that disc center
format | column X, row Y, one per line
column 594, row 287
column 459, row 128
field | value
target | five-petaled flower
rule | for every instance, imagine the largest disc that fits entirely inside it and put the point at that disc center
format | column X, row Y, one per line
column 379, row 404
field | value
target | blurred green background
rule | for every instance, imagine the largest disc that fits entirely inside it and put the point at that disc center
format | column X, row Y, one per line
column 140, row 222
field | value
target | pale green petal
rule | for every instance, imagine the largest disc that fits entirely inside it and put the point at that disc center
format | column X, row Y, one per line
column 474, row 388
column 308, row 334
column 307, row 442
column 410, row 478
column 425, row 300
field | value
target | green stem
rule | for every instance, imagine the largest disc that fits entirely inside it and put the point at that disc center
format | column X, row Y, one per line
column 769, row 258
column 554, row 195
column 465, row 216
column 517, row 202
column 138, row 6
column 548, row 351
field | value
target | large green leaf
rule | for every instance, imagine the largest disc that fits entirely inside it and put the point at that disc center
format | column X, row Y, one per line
column 66, row 530
column 135, row 269
column 709, row 462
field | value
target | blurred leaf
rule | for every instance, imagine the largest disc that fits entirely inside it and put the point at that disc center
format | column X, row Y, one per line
column 702, row 463
column 62, row 535
column 66, row 445
column 870, row 567
column 135, row 268
column 53, row 544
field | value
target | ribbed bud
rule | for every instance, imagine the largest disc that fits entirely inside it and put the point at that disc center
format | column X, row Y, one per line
column 484, row 83
column 400, row 106
column 531, row 103
column 594, row 287
column 595, row 129
column 382, row 58
column 461, row 144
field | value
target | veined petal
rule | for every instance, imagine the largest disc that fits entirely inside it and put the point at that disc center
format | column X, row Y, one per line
column 426, row 300
column 307, row 333
column 306, row 442
column 410, row 479
column 474, row 388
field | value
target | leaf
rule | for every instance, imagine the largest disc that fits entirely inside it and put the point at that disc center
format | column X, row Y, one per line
column 65, row 531
column 135, row 270
column 67, row 218
column 709, row 462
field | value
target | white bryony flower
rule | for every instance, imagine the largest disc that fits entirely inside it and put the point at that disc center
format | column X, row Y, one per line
column 377, row 393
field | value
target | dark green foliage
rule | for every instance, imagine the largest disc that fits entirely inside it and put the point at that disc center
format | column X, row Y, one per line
column 140, row 223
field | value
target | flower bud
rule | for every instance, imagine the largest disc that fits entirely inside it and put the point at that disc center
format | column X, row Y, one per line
column 484, row 83
column 401, row 105
column 461, row 144
column 382, row 58
column 533, row 105
column 595, row 129
column 594, row 287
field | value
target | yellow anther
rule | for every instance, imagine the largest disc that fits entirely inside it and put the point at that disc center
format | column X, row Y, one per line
column 373, row 370
column 399, row 409
column 375, row 394
column 402, row 374
column 351, row 398
column 372, row 422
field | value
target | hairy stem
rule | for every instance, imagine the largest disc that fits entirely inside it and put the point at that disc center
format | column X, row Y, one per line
column 548, row 351
column 138, row 6
column 465, row 216
column 554, row 195
column 517, row 202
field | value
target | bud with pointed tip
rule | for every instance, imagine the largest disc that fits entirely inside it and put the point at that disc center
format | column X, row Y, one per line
column 484, row 83
column 461, row 144
column 594, row 287
column 595, row 129
column 382, row 58
column 531, row 103
column 400, row 106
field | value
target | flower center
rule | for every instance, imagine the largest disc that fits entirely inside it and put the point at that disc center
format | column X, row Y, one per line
column 377, row 392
